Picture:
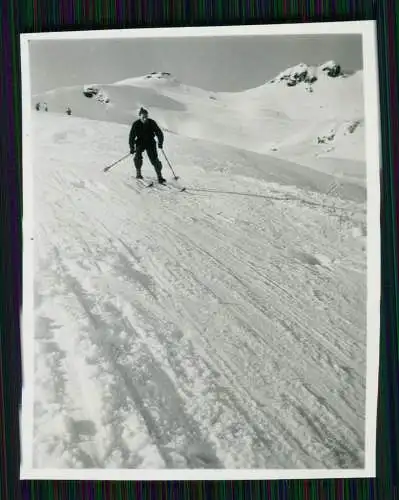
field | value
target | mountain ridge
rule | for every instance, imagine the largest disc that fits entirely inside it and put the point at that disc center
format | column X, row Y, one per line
column 322, row 112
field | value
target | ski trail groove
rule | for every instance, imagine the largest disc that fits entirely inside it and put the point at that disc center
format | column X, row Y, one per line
column 143, row 398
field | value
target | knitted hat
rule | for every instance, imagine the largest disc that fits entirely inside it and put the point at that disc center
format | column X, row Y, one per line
column 143, row 111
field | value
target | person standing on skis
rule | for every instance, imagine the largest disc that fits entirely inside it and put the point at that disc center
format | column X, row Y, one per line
column 142, row 138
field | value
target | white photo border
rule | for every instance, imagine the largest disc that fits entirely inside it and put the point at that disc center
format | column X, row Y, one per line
column 372, row 119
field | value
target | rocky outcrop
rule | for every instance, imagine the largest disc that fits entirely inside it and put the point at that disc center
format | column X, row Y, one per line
column 163, row 75
column 91, row 91
column 331, row 69
column 307, row 75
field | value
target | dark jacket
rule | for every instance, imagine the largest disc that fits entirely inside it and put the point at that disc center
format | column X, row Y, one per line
column 143, row 135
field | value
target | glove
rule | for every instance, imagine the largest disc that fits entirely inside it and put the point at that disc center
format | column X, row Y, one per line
column 160, row 145
column 132, row 150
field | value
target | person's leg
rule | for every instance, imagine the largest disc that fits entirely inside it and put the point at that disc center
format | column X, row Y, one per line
column 153, row 157
column 138, row 162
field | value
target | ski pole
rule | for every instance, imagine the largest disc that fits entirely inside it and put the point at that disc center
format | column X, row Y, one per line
column 115, row 163
column 170, row 166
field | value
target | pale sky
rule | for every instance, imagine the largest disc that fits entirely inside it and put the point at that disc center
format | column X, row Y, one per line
column 211, row 63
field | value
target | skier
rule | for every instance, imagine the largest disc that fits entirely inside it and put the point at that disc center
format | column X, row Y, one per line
column 141, row 138
column 37, row 106
column 68, row 111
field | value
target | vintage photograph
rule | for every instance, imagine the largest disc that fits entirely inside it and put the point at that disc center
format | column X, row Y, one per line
column 200, row 245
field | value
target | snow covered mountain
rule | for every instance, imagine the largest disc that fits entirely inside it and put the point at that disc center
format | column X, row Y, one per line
column 307, row 114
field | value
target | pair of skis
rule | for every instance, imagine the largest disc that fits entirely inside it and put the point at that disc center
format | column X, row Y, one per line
column 155, row 184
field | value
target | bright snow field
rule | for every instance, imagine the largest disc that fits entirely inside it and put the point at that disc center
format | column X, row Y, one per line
column 221, row 327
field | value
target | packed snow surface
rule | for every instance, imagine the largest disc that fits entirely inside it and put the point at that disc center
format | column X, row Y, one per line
column 220, row 327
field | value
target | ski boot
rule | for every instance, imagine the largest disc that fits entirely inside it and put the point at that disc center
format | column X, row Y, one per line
column 138, row 174
column 158, row 169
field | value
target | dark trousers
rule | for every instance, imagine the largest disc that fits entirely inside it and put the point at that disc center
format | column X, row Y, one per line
column 152, row 156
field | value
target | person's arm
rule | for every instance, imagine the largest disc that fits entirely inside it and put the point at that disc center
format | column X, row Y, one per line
column 159, row 134
column 132, row 138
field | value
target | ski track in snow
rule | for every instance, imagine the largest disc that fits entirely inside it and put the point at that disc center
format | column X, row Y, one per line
column 194, row 329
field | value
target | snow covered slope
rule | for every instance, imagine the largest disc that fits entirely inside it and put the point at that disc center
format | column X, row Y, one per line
column 307, row 122
column 223, row 327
